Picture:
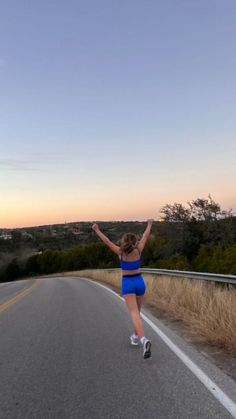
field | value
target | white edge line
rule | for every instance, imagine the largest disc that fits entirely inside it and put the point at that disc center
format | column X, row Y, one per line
column 12, row 282
column 208, row 383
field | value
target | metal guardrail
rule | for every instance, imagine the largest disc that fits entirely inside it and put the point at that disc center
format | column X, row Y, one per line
column 228, row 279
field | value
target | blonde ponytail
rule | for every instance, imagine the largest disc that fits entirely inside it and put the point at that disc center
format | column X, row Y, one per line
column 128, row 242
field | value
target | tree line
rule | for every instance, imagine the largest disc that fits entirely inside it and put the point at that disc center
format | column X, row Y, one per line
column 199, row 237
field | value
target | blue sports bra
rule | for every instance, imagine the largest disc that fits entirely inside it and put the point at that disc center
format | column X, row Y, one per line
column 130, row 265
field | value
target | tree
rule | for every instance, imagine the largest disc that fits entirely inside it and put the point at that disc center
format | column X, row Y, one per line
column 207, row 210
column 200, row 223
column 175, row 213
column 32, row 265
column 200, row 209
column 12, row 270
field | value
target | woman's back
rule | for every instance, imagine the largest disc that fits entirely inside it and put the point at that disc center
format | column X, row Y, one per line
column 134, row 255
column 130, row 261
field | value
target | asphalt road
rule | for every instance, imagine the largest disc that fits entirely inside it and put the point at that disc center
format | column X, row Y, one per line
column 65, row 353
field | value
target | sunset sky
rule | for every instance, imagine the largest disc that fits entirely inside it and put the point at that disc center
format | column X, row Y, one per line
column 111, row 109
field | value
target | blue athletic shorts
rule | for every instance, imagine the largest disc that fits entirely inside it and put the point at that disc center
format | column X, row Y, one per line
column 133, row 284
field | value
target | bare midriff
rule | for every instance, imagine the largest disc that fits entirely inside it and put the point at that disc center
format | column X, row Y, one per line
column 128, row 273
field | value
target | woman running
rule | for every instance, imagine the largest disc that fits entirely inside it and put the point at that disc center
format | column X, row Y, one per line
column 133, row 286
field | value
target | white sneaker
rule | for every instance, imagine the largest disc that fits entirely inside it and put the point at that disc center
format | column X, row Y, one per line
column 134, row 340
column 147, row 349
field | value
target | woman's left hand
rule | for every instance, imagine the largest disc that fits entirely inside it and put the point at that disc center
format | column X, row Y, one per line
column 95, row 227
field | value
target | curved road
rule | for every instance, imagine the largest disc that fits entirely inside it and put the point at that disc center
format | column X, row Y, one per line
column 65, row 353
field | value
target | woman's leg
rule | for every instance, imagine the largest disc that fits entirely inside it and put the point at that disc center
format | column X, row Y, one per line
column 139, row 299
column 132, row 305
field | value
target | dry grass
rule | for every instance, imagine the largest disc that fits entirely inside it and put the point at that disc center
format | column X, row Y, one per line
column 208, row 309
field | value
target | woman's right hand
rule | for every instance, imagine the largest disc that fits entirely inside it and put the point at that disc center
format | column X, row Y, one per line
column 150, row 221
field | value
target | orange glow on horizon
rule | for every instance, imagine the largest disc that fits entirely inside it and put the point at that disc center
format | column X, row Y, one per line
column 32, row 213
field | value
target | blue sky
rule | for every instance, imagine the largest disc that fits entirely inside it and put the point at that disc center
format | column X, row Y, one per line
column 110, row 110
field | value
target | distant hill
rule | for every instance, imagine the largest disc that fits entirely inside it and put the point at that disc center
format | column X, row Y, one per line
column 23, row 242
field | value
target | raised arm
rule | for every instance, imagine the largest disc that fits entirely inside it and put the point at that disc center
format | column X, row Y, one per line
column 105, row 239
column 145, row 236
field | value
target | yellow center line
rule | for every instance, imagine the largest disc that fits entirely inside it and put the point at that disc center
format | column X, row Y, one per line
column 18, row 297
